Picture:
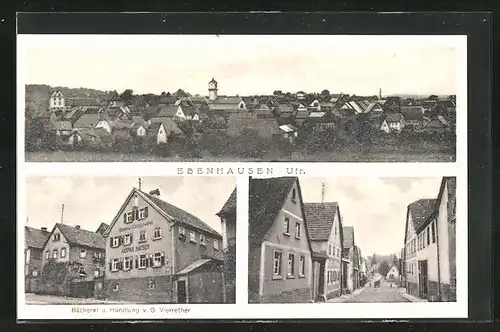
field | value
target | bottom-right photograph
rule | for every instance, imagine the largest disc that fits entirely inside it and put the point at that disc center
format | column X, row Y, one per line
column 352, row 239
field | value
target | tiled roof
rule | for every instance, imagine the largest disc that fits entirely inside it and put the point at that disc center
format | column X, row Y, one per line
column 193, row 266
column 421, row 210
column 35, row 238
column 394, row 117
column 348, row 232
column 167, row 111
column 230, row 205
column 267, row 197
column 180, row 215
column 285, row 108
column 265, row 127
column 87, row 121
column 83, row 102
column 320, row 218
column 102, row 228
column 82, row 237
column 413, row 113
column 168, row 123
column 226, row 100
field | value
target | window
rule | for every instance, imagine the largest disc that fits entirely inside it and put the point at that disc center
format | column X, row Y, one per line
column 157, row 259
column 294, row 194
column 151, row 284
column 216, row 244
column 182, row 232
column 192, row 237
column 34, row 273
column 277, row 263
column 136, row 201
column 83, row 253
column 128, row 217
column 142, row 236
column 127, row 239
column 302, row 266
column 297, row 230
column 433, row 228
column 202, row 239
column 47, row 254
column 291, row 264
column 428, row 236
column 115, row 287
column 143, row 213
column 63, row 252
column 54, row 254
column 142, row 261
column 157, row 233
column 115, row 242
column 114, row 264
column 96, row 273
column 57, row 237
column 287, row 226
column 127, row 263
column 81, row 271
column 328, row 277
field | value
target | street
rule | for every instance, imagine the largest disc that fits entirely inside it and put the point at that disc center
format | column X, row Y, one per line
column 32, row 298
column 385, row 293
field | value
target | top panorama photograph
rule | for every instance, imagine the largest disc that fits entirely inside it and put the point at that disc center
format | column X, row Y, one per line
column 238, row 98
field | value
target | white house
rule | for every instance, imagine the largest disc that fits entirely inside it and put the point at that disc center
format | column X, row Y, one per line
column 393, row 273
column 104, row 124
column 56, row 100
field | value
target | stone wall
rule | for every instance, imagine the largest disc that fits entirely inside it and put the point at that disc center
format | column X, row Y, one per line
column 302, row 295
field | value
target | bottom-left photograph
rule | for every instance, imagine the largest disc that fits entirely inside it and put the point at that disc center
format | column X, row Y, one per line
column 129, row 240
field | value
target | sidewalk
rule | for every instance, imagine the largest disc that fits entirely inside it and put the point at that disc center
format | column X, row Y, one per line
column 345, row 297
column 410, row 297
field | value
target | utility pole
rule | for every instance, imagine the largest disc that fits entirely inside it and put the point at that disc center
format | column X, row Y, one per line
column 62, row 214
column 140, row 182
column 322, row 193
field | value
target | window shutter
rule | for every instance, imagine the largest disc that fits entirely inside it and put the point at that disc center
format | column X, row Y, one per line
column 136, row 214
column 111, row 242
column 162, row 262
column 145, row 212
column 131, row 239
column 125, row 217
column 136, row 262
column 110, row 265
column 151, row 262
column 120, row 240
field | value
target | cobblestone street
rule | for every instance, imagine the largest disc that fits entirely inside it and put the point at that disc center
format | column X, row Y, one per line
column 385, row 293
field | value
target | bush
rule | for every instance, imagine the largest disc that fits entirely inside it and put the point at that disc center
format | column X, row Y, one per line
column 250, row 144
column 215, row 142
column 162, row 150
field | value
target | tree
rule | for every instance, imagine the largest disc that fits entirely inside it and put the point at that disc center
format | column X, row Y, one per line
column 374, row 259
column 325, row 93
column 433, row 97
column 383, row 268
column 127, row 95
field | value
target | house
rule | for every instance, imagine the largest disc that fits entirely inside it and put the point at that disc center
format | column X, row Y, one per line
column 349, row 274
column 102, row 228
column 162, row 130
column 413, row 116
column 82, row 252
column 393, row 274
column 279, row 262
column 392, row 123
column 324, row 225
column 285, row 110
column 437, row 124
column 227, row 104
column 363, row 271
column 187, row 111
column 62, row 127
column 56, row 100
column 430, row 245
column 34, row 239
column 227, row 216
column 93, row 121
column 116, row 103
column 159, row 253
column 359, row 106
column 267, row 128
column 168, row 111
column 300, row 95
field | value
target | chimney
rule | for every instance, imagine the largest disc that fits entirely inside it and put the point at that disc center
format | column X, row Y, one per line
column 77, row 226
column 44, row 229
column 155, row 192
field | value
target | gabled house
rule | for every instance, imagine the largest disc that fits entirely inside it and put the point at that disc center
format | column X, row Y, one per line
column 56, row 100
column 437, row 124
column 300, row 95
column 159, row 253
column 279, row 262
column 349, row 274
column 162, row 130
column 34, row 239
column 393, row 274
column 413, row 116
column 324, row 225
column 227, row 104
column 227, row 216
column 392, row 123
column 81, row 250
column 93, row 121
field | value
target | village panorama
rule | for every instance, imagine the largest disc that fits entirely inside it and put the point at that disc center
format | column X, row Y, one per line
column 64, row 124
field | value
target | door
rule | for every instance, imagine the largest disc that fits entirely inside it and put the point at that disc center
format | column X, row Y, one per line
column 422, row 276
column 181, row 291
column 321, row 288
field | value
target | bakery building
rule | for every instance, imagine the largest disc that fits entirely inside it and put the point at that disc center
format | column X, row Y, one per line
column 159, row 253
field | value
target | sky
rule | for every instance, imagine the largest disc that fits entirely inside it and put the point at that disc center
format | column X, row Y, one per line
column 375, row 207
column 88, row 201
column 243, row 64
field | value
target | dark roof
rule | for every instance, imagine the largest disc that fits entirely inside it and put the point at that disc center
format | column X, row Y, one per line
column 82, row 237
column 320, row 218
column 348, row 236
column 421, row 210
column 394, row 117
column 35, row 238
column 413, row 113
column 102, row 228
column 230, row 205
column 267, row 197
column 167, row 111
column 265, row 127
column 180, row 215
column 87, row 121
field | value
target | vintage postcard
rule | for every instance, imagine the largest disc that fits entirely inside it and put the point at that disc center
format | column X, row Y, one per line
column 234, row 98
column 354, row 240
column 125, row 240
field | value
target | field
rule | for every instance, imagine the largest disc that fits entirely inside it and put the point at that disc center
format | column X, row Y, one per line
column 374, row 155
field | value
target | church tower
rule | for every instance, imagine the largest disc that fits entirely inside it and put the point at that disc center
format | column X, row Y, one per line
column 212, row 89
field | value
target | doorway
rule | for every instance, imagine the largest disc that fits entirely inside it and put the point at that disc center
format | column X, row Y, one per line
column 423, row 291
column 181, row 291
